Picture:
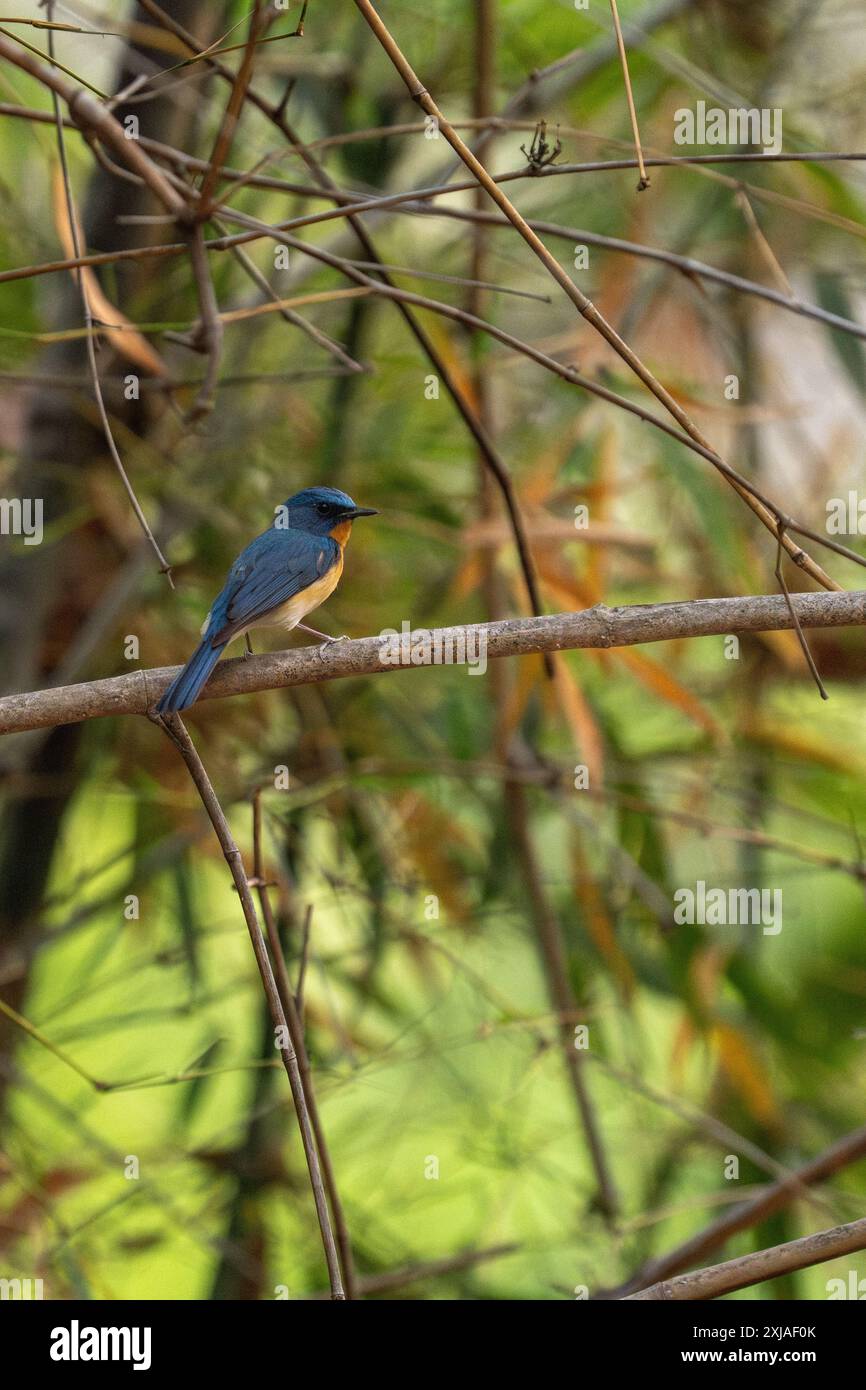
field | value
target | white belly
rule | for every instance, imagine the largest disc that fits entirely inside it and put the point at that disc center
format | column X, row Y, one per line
column 290, row 613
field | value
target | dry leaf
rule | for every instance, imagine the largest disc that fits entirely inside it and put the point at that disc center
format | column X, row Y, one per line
column 124, row 337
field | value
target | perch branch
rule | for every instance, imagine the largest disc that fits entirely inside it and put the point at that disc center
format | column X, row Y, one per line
column 593, row 628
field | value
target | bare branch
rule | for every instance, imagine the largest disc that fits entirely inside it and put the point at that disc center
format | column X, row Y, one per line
column 174, row 727
column 756, row 1268
column 290, row 315
column 208, row 334
column 92, row 117
column 584, row 305
column 292, row 1012
column 85, row 292
column 258, row 19
column 747, row 1214
column 643, row 181
column 598, row 628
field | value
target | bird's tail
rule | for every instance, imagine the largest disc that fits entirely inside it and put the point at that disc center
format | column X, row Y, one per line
column 184, row 689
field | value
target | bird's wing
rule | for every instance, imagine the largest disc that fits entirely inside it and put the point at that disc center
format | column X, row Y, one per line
column 274, row 568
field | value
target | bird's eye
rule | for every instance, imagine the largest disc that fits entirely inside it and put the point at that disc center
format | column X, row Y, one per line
column 323, row 508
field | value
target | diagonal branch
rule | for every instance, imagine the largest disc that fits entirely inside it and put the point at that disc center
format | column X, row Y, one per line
column 643, row 181
column 292, row 1010
column 764, row 1204
column 174, row 727
column 585, row 305
column 209, row 331
column 493, row 460
column 94, row 118
column 258, row 20
column 89, row 320
column 756, row 1268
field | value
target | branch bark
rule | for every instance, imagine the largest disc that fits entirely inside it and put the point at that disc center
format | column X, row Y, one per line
column 585, row 306
column 292, row 1010
column 758, row 1267
column 774, row 1198
column 95, row 119
column 594, row 628
column 176, row 731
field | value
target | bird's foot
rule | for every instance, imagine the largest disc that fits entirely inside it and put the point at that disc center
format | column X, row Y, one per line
column 323, row 637
column 329, row 642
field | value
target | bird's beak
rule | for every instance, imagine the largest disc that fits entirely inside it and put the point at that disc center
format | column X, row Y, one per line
column 361, row 511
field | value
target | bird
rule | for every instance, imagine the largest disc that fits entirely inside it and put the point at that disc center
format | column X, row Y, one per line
column 276, row 581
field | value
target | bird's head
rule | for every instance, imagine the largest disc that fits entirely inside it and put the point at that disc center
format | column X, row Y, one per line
column 322, row 511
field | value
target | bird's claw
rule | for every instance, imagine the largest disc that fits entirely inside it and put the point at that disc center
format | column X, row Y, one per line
column 329, row 642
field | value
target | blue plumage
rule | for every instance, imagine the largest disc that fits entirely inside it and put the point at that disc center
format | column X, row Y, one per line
column 269, row 580
column 184, row 689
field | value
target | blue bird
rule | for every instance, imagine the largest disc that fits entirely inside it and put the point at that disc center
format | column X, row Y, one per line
column 281, row 576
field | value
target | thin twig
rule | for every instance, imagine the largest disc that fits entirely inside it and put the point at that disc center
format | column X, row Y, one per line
column 296, row 1031
column 174, row 728
column 290, row 315
column 164, row 566
column 584, row 305
column 208, row 335
column 223, row 143
column 38, row 1036
column 698, row 162
column 801, row 638
column 643, row 181
column 768, row 254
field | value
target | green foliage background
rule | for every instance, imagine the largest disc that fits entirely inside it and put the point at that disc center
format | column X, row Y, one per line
column 435, row 1037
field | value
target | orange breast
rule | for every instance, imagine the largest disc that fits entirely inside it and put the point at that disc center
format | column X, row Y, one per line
column 341, row 532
